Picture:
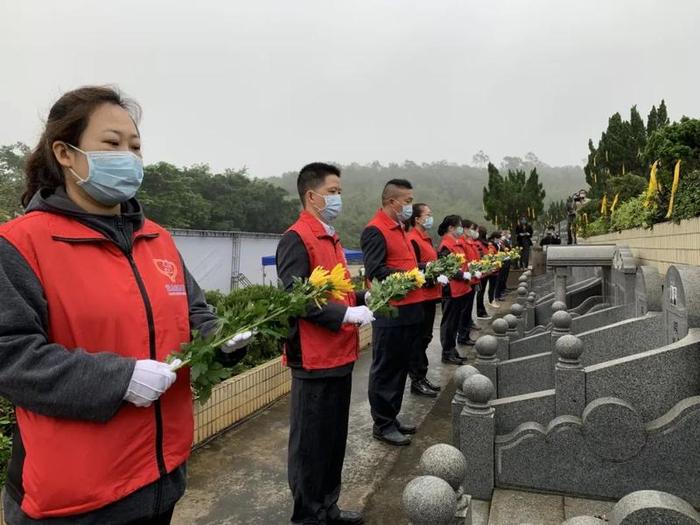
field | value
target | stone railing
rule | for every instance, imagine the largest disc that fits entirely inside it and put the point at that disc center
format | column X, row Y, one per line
column 666, row 244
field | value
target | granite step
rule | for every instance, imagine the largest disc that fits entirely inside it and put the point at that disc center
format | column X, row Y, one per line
column 513, row 507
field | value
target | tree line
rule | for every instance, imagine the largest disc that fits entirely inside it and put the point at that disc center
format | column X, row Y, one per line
column 196, row 197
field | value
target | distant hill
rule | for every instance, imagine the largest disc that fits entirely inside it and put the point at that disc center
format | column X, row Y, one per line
column 447, row 188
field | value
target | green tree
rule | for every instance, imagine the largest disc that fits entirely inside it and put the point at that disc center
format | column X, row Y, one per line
column 506, row 199
column 652, row 121
column 12, row 158
column 638, row 136
column 662, row 119
column 677, row 141
column 169, row 198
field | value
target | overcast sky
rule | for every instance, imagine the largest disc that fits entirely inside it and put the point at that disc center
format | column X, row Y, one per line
column 273, row 84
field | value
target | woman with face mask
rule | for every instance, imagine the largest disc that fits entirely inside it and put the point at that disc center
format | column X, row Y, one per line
column 420, row 224
column 488, row 281
column 95, row 297
column 455, row 294
column 466, row 323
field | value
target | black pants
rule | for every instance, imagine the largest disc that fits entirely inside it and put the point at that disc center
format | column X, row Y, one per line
column 465, row 319
column 502, row 279
column 525, row 257
column 480, row 307
column 162, row 519
column 493, row 281
column 452, row 309
column 318, row 432
column 418, row 365
column 391, row 349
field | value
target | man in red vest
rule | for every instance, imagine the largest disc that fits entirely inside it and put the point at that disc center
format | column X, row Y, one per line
column 386, row 250
column 321, row 349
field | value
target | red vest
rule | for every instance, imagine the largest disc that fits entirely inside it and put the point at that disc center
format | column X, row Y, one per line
column 472, row 253
column 320, row 347
column 427, row 253
column 457, row 288
column 94, row 303
column 399, row 253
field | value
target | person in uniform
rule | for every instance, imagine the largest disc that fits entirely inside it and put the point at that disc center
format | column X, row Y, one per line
column 321, row 349
column 386, row 249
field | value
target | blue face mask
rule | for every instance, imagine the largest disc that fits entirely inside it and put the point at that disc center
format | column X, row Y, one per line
column 428, row 223
column 334, row 205
column 459, row 231
column 405, row 213
column 114, row 177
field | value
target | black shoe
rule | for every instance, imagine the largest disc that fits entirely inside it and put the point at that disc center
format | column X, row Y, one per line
column 406, row 429
column 421, row 389
column 467, row 342
column 452, row 360
column 393, row 437
column 483, row 316
column 431, row 385
column 346, row 517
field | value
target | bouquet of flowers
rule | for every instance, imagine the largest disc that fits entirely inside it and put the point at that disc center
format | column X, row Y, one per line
column 449, row 265
column 395, row 287
column 264, row 318
column 514, row 253
column 494, row 260
column 485, row 265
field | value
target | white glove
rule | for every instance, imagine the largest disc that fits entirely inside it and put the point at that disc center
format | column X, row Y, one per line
column 368, row 297
column 237, row 341
column 442, row 279
column 477, row 274
column 467, row 276
column 148, row 382
column 358, row 315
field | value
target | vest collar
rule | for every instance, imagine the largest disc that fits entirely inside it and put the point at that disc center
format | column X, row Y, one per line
column 387, row 221
column 315, row 225
column 64, row 228
column 449, row 241
column 423, row 235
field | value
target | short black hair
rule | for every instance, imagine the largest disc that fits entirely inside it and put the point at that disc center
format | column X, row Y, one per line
column 391, row 186
column 466, row 223
column 312, row 176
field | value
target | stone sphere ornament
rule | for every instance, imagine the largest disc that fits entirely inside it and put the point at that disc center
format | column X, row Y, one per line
column 486, row 346
column 429, row 500
column 558, row 306
column 500, row 326
column 517, row 309
column 461, row 375
column 478, row 389
column 511, row 320
column 561, row 320
column 569, row 348
column 445, row 462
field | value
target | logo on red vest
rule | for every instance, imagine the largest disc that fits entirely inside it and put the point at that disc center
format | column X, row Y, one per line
column 167, row 268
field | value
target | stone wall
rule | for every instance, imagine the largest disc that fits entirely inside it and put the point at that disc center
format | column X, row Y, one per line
column 666, row 244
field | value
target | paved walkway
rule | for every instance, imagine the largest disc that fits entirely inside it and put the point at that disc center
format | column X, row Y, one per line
column 241, row 477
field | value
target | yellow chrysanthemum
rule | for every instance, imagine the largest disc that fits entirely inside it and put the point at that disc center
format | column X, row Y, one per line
column 319, row 277
column 417, row 276
column 461, row 258
column 339, row 282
